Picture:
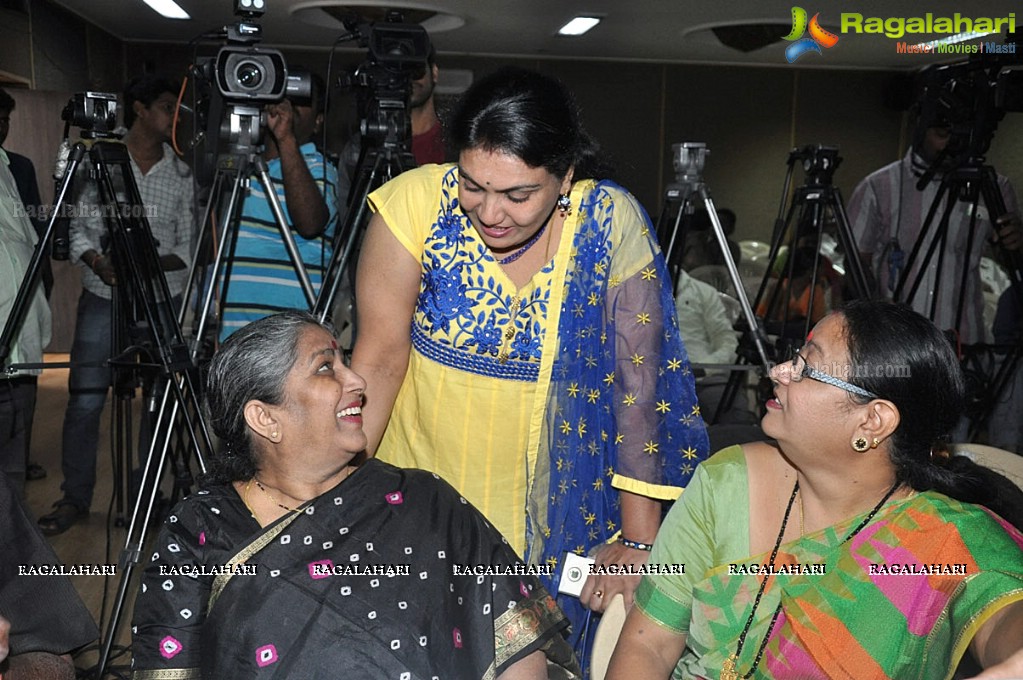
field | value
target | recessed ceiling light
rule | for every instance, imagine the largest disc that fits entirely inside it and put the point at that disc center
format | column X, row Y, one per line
column 578, row 26
column 168, row 8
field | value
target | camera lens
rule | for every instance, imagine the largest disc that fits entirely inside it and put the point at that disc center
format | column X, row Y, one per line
column 248, row 74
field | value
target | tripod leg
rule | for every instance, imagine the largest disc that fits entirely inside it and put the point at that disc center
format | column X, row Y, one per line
column 756, row 332
column 853, row 264
column 369, row 177
column 944, row 190
column 26, row 291
column 672, row 242
column 286, row 235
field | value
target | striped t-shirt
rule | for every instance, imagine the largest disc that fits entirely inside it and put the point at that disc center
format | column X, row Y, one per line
column 263, row 278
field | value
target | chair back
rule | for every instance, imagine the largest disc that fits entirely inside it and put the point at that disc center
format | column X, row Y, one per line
column 1004, row 462
column 606, row 637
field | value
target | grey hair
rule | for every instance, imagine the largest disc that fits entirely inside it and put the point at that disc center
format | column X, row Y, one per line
column 253, row 363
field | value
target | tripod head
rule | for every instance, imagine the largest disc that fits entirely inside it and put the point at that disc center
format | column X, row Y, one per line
column 819, row 163
column 688, row 159
column 95, row 113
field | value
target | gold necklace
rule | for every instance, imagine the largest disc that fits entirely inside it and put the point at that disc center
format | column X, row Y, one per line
column 245, row 500
column 802, row 530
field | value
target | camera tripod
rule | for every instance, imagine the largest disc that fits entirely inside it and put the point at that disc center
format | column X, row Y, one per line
column 803, row 227
column 679, row 204
column 384, row 155
column 142, row 295
column 145, row 290
column 969, row 183
column 803, row 222
column 231, row 182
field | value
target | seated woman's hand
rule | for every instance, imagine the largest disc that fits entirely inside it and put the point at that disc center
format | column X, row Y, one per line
column 601, row 588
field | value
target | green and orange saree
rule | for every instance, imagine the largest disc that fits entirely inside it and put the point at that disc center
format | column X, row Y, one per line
column 901, row 599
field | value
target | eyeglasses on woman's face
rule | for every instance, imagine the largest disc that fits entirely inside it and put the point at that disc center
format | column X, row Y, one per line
column 800, row 369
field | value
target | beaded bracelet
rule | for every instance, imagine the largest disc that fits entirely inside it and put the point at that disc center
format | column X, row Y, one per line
column 634, row 544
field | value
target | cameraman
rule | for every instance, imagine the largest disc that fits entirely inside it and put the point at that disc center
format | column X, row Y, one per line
column 165, row 186
column 263, row 279
column 887, row 213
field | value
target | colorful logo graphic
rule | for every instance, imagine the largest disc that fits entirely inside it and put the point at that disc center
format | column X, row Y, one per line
column 817, row 39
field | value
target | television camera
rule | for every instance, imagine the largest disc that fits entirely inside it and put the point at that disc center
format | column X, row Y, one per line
column 970, row 98
column 397, row 54
column 234, row 86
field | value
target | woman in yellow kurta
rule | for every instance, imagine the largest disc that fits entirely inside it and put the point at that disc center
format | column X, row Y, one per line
column 518, row 336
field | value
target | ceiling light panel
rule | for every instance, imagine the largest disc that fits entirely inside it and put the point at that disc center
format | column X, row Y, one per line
column 578, row 26
column 168, row 8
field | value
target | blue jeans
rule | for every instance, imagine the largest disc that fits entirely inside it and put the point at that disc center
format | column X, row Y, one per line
column 87, row 386
column 88, row 383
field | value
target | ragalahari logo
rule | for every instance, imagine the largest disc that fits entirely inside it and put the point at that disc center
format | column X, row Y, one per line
column 817, row 39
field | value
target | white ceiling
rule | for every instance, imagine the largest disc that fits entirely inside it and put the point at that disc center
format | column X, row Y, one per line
column 643, row 30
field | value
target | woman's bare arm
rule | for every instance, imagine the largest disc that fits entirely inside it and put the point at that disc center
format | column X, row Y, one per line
column 645, row 650
column 386, row 287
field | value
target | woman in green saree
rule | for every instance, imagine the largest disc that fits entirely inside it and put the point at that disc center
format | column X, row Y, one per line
column 293, row 562
column 854, row 546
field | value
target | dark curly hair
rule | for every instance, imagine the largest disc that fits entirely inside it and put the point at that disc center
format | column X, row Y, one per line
column 901, row 356
column 252, row 364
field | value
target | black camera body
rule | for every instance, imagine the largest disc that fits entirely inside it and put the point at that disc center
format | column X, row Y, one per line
column 245, row 73
column 970, row 98
column 233, row 87
column 94, row 112
column 397, row 54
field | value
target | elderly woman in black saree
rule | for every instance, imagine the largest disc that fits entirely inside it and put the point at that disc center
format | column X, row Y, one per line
column 294, row 563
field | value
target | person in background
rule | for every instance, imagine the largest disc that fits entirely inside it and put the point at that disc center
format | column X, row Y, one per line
column 518, row 336
column 427, row 130
column 790, row 298
column 24, row 174
column 703, row 258
column 710, row 339
column 165, row 185
column 854, row 544
column 887, row 213
column 18, row 389
column 263, row 279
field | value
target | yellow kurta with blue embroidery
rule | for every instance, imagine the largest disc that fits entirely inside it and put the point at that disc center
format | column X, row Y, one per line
column 534, row 401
